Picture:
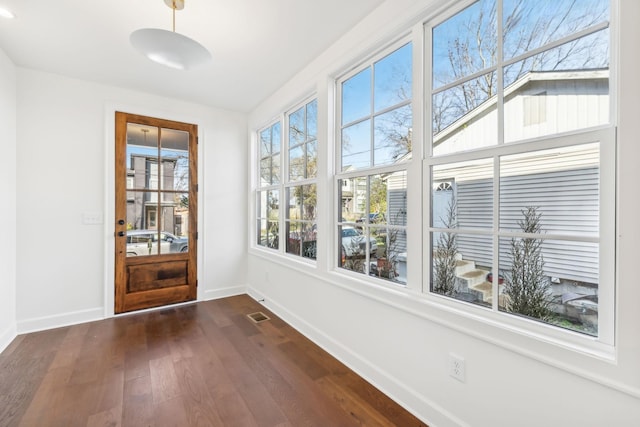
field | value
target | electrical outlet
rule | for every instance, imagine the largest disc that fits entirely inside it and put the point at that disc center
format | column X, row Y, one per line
column 456, row 367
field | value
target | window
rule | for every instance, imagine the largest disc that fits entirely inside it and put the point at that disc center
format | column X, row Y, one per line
column 521, row 161
column 294, row 184
column 268, row 194
column 374, row 146
column 302, row 165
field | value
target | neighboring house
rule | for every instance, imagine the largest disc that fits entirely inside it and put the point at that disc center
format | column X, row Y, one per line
column 354, row 197
column 142, row 207
column 538, row 103
column 563, row 186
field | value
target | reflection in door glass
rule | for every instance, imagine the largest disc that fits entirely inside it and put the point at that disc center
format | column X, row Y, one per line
column 175, row 159
column 142, row 156
column 175, row 224
column 142, row 223
column 157, row 168
column 150, row 232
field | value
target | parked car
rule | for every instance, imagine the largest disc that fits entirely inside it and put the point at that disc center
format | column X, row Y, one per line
column 374, row 218
column 354, row 242
column 145, row 242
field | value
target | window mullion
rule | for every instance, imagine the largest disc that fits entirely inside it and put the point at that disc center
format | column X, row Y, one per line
column 372, row 118
column 500, row 73
column 495, row 284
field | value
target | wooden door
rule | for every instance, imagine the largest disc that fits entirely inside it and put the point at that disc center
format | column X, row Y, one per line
column 156, row 207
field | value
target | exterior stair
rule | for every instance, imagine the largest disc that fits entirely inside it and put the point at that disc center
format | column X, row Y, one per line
column 472, row 279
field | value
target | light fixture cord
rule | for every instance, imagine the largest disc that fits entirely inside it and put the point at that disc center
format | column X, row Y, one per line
column 174, row 17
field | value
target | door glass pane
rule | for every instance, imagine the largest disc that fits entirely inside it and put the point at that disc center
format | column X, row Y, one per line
column 175, row 159
column 142, row 157
column 142, row 224
column 175, row 226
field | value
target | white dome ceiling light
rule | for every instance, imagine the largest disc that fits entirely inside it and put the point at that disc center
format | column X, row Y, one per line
column 168, row 47
column 6, row 13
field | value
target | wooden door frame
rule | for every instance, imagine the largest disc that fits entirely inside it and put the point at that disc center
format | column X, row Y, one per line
column 109, row 195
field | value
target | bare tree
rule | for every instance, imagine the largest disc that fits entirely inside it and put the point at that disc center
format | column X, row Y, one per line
column 527, row 288
column 526, row 25
column 444, row 256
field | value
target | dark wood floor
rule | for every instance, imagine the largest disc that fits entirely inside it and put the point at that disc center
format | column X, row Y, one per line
column 204, row 364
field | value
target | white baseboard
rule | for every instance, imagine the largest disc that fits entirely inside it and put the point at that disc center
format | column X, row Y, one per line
column 90, row 315
column 7, row 336
column 224, row 292
column 59, row 320
column 423, row 408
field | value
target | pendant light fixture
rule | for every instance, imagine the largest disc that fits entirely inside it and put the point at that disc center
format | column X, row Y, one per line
column 168, row 47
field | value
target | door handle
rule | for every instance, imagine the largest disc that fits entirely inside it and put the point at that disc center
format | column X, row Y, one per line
column 121, row 234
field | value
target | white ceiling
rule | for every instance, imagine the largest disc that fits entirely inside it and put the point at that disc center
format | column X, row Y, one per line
column 257, row 45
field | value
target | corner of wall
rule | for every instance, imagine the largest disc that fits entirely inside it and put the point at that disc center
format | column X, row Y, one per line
column 7, row 336
column 8, row 191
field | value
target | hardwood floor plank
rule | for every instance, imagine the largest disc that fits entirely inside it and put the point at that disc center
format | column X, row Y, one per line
column 356, row 407
column 75, row 404
column 110, row 390
column 20, row 378
column 137, row 403
column 109, row 418
column 170, row 413
column 307, row 365
column 229, row 379
column 136, row 364
column 164, row 382
column 275, row 334
column 48, row 396
column 300, row 405
column 204, row 364
column 13, row 345
column 379, row 401
column 200, row 406
column 330, row 363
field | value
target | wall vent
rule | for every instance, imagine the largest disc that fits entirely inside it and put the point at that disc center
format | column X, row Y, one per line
column 258, row 317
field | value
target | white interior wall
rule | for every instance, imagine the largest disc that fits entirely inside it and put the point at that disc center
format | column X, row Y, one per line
column 400, row 341
column 64, row 147
column 8, row 195
column 61, row 263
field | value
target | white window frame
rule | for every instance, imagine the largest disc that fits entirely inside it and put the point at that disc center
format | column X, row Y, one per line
column 372, row 170
column 269, row 187
column 288, row 184
column 283, row 183
column 604, row 344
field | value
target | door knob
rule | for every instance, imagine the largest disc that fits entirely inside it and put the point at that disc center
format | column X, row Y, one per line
column 121, row 222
